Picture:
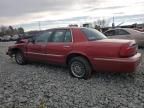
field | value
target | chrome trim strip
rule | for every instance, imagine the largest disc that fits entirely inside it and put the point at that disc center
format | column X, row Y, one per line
column 45, row 54
column 131, row 59
column 55, row 55
column 112, row 59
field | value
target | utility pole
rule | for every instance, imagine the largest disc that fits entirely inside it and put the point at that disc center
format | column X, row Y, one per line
column 39, row 24
column 113, row 24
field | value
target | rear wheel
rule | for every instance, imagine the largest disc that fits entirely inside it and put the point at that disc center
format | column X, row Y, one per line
column 80, row 67
column 19, row 58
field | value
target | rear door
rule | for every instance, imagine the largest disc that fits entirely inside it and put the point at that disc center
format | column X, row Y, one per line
column 110, row 34
column 36, row 50
column 122, row 34
column 59, row 45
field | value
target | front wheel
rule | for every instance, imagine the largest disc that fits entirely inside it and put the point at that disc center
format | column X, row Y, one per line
column 19, row 58
column 80, row 67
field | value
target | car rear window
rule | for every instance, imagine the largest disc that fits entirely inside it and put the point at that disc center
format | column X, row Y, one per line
column 121, row 32
column 110, row 33
column 93, row 34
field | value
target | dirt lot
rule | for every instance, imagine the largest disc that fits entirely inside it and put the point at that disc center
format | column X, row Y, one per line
column 32, row 85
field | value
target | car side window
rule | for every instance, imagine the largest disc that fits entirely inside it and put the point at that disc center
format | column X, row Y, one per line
column 68, row 36
column 43, row 37
column 110, row 33
column 121, row 32
column 58, row 36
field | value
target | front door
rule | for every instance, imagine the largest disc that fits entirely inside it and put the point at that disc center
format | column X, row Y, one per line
column 59, row 45
column 36, row 50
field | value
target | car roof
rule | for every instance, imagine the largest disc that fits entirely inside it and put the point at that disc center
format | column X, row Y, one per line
column 65, row 28
column 127, row 29
column 62, row 28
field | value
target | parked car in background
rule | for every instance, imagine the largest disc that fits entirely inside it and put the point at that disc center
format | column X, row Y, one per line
column 126, row 33
column 6, row 38
column 0, row 39
column 14, row 37
column 81, row 49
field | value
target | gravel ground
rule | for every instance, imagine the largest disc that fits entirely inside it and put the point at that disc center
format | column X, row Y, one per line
column 36, row 85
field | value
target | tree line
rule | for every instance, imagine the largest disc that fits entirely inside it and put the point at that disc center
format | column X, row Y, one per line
column 11, row 31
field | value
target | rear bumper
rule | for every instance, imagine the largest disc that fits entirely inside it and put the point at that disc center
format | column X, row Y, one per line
column 117, row 64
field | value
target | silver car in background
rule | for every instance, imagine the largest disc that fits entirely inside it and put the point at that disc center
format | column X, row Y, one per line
column 14, row 37
column 126, row 33
column 6, row 38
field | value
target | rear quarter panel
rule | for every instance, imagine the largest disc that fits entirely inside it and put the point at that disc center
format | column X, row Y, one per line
column 99, row 49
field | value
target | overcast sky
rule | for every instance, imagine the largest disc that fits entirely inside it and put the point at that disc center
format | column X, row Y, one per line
column 19, row 12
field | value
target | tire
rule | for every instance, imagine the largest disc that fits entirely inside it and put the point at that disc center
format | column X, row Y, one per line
column 79, row 67
column 19, row 58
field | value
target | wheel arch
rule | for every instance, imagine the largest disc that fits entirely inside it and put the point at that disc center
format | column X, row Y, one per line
column 70, row 56
column 14, row 50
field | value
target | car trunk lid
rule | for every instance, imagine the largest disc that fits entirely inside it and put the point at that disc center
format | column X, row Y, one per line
column 112, row 48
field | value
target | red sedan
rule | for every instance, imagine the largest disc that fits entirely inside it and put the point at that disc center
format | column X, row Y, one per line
column 81, row 49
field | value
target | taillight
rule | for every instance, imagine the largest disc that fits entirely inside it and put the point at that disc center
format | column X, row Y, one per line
column 128, row 50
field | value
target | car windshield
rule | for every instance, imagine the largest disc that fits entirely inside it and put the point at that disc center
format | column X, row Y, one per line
column 93, row 34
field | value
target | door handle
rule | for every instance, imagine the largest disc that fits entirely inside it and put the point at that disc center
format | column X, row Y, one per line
column 66, row 46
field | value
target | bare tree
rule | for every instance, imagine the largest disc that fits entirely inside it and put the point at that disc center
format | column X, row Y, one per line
column 9, row 30
column 101, row 23
column 3, row 29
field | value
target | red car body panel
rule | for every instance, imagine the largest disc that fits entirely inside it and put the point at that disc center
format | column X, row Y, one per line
column 103, row 55
column 117, row 64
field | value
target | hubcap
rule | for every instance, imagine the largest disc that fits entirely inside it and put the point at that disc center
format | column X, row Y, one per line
column 77, row 69
column 19, row 58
